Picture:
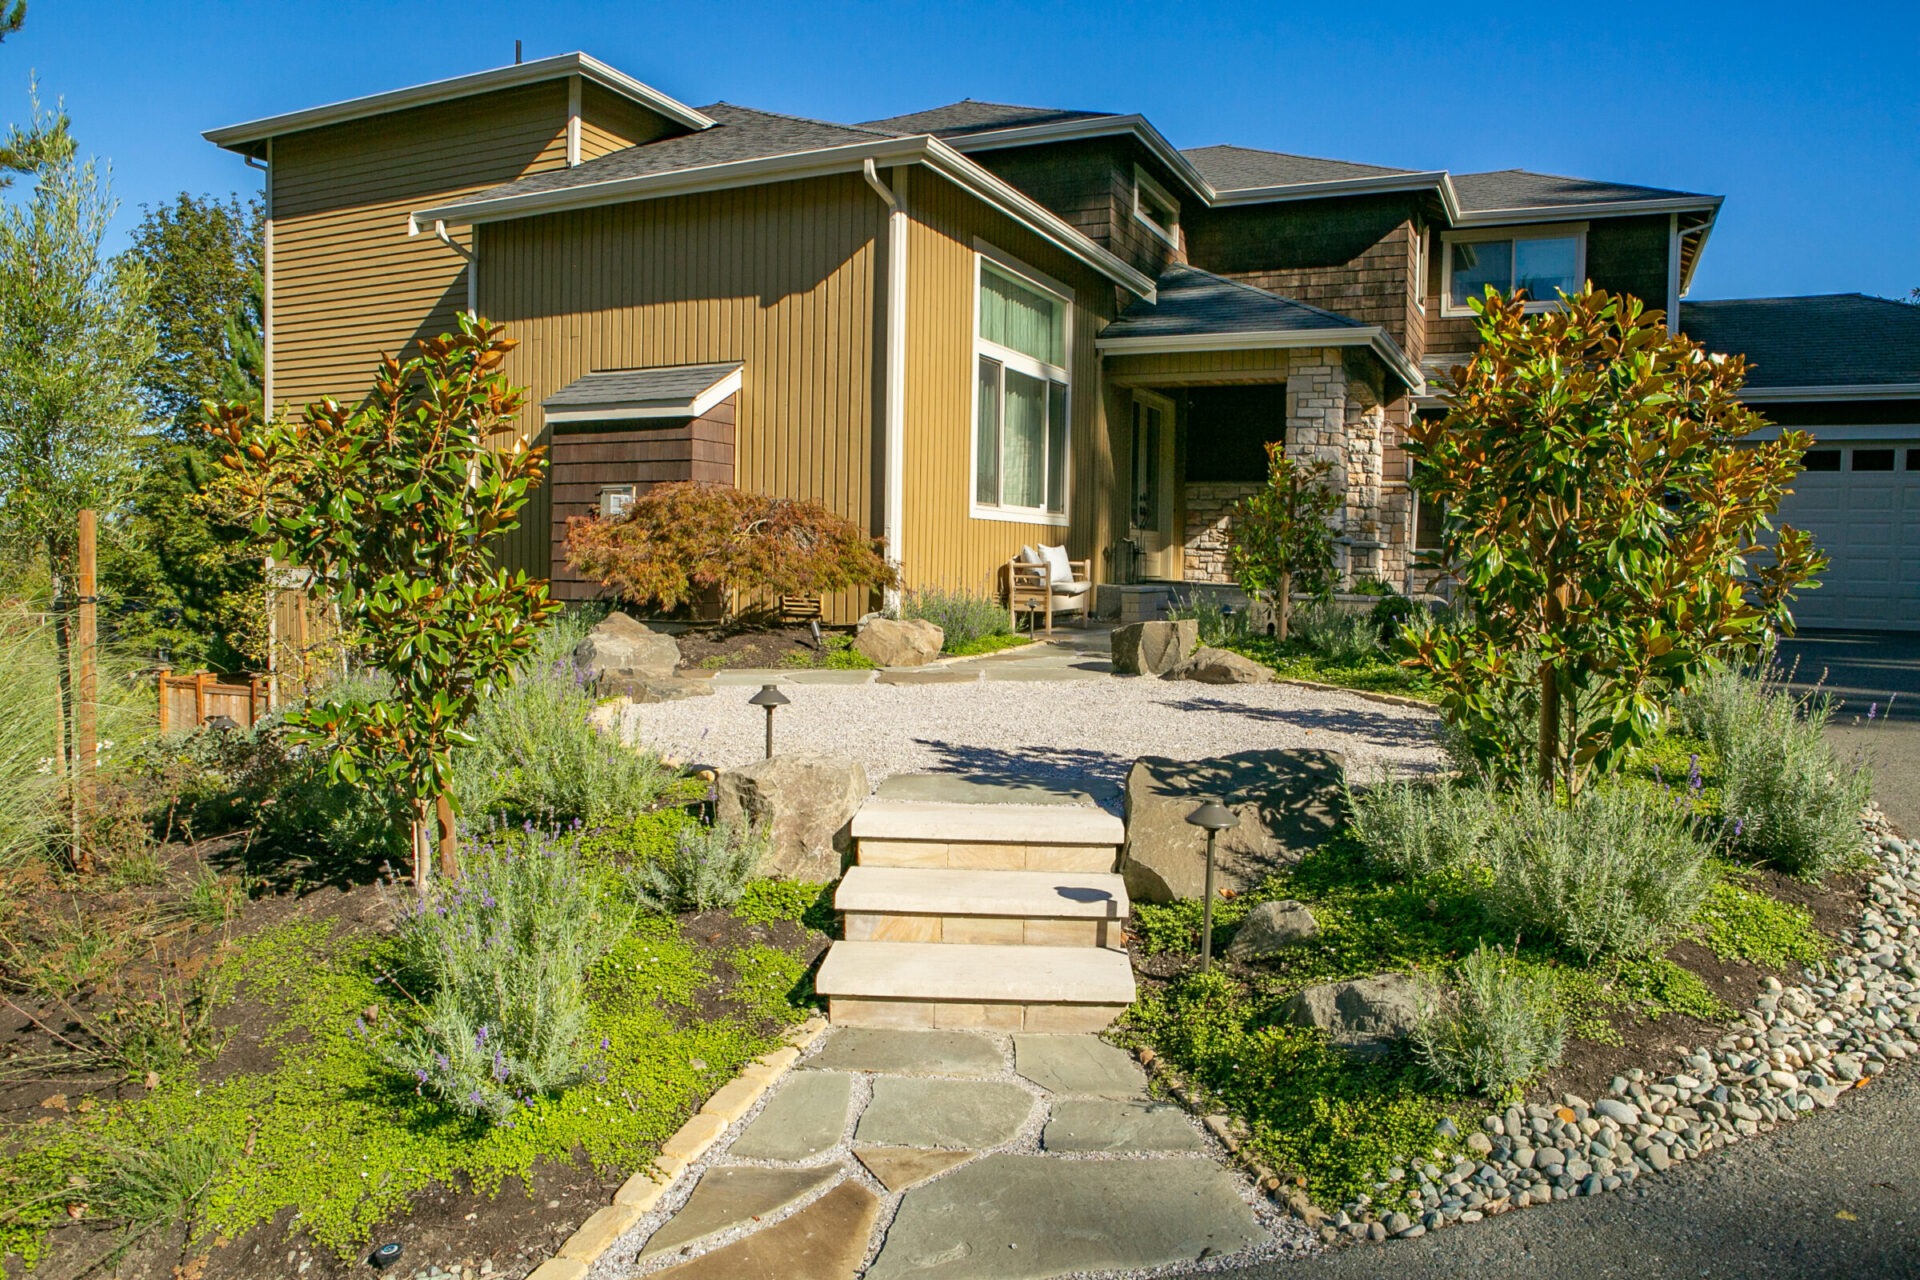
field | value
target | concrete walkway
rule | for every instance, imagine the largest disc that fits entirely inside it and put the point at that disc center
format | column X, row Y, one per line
column 956, row 1155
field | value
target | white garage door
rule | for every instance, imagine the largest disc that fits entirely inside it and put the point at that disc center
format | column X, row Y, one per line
column 1861, row 503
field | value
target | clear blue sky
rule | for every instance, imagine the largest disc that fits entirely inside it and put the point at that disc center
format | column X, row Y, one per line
column 1807, row 118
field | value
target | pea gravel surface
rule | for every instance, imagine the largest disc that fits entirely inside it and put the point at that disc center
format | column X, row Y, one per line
column 1064, row 733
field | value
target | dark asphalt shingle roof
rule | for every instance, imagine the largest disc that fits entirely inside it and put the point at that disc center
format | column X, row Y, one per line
column 1231, row 168
column 739, row 133
column 1192, row 301
column 664, row 385
column 969, row 116
column 1823, row 340
column 1521, row 189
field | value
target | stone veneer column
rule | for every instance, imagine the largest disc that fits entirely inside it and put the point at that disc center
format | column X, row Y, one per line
column 1334, row 414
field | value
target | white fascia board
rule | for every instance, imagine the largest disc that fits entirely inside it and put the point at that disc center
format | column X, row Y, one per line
column 1371, row 336
column 1704, row 230
column 1598, row 209
column 1839, row 433
column 1436, row 180
column 623, row 410
column 239, row 136
column 1135, row 126
column 1860, row 391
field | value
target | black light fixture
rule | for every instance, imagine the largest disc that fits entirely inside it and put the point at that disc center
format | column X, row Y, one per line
column 222, row 724
column 769, row 697
column 1215, row 817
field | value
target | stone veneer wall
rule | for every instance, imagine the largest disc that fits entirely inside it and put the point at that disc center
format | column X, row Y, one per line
column 1208, row 504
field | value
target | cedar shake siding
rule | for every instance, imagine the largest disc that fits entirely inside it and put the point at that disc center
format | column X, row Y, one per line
column 779, row 277
column 1089, row 183
column 348, row 283
column 586, row 456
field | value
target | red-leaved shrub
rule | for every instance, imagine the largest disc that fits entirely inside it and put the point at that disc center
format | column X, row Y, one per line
column 680, row 540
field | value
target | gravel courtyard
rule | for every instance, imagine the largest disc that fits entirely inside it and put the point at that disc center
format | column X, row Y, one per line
column 1064, row 733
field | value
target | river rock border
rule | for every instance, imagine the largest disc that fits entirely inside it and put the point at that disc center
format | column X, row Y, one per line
column 1799, row 1049
column 639, row 1193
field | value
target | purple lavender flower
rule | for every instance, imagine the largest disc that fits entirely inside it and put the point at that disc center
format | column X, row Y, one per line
column 1873, row 709
column 420, row 1074
column 480, row 1037
column 1693, row 772
column 359, row 1026
column 1739, row 825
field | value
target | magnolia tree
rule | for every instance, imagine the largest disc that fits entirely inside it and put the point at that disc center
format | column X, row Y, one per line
column 1280, row 539
column 396, row 505
column 1600, row 512
column 678, row 541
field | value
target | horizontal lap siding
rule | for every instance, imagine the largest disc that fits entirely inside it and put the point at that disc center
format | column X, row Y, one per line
column 779, row 277
column 609, row 123
column 944, row 544
column 349, row 284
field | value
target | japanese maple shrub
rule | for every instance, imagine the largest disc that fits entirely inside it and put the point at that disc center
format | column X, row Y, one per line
column 1280, row 539
column 678, row 541
column 1600, row 511
column 397, row 505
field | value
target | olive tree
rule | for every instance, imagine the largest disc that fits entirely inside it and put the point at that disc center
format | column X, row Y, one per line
column 1603, row 497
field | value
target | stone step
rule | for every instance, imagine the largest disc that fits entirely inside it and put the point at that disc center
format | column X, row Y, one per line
column 911, row 904
column 994, row 988
column 987, row 837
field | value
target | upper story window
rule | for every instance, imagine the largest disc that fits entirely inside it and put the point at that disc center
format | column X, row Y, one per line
column 1545, row 262
column 1153, row 206
column 1021, row 401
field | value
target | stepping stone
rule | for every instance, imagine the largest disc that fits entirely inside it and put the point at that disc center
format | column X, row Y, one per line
column 936, row 676
column 827, row 1240
column 1078, row 1065
column 948, row 788
column 735, row 1194
column 1101, row 1124
column 805, row 1118
column 910, row 1053
column 943, row 1113
column 1008, row 1217
column 900, row 1167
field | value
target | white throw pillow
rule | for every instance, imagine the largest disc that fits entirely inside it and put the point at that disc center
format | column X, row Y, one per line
column 1060, row 568
column 1029, row 556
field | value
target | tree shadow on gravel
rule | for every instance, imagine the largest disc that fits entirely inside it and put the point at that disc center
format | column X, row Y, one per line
column 1375, row 728
column 1062, row 771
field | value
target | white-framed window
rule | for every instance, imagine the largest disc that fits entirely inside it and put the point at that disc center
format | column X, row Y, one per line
column 1420, row 267
column 1155, row 207
column 1021, row 398
column 615, row 499
column 1545, row 261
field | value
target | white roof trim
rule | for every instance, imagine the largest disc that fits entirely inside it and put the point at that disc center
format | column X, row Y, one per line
column 1855, row 391
column 1837, row 434
column 1600, row 209
column 238, row 136
column 1371, row 336
column 1434, row 180
column 625, row 410
column 849, row 158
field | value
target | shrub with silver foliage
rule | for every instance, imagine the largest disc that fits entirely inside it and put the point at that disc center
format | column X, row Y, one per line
column 504, row 953
column 1417, row 828
column 1497, row 1027
column 1337, row 634
column 962, row 616
column 708, row 868
column 1619, row 870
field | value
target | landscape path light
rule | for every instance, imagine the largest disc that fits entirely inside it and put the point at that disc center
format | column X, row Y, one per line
column 1215, row 817
column 769, row 697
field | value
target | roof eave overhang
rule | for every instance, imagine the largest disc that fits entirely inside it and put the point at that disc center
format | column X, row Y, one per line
column 851, row 158
column 1437, row 181
column 687, row 406
column 1852, row 391
column 1135, row 126
column 248, row 136
column 1371, row 336
column 1709, row 205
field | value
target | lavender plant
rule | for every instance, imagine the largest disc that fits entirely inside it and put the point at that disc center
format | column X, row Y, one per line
column 504, row 954
column 1497, row 1027
column 709, row 867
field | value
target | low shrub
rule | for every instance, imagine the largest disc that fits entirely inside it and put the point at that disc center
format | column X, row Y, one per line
column 1495, row 1028
column 709, row 867
column 1219, row 626
column 963, row 616
column 1416, row 828
column 1618, row 870
column 504, row 953
column 157, row 1183
column 1336, row 634
column 1787, row 799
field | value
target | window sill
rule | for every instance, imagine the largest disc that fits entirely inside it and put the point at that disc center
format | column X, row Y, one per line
column 1017, row 515
column 1450, row 312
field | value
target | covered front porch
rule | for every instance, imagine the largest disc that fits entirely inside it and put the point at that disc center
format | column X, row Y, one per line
column 1198, row 384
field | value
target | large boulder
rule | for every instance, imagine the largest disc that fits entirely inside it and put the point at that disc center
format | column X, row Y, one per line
column 1364, row 1015
column 622, row 654
column 1270, row 929
column 899, row 642
column 1287, row 803
column 1153, row 648
column 1219, row 666
column 807, row 802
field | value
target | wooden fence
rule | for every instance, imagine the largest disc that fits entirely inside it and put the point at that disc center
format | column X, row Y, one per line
column 187, row 701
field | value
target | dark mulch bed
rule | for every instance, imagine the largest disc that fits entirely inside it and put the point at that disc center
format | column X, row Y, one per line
column 718, row 648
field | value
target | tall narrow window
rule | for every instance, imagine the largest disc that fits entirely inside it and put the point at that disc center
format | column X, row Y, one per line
column 1021, row 409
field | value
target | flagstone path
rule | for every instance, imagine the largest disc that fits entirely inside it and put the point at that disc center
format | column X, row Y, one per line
column 956, row 1155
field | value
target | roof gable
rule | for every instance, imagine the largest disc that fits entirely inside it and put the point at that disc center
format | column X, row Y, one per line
column 1232, row 168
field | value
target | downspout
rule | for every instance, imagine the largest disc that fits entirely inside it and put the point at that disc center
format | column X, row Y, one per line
column 895, row 425
column 266, row 403
column 472, row 255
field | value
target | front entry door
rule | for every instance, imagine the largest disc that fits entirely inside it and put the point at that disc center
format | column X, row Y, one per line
column 1153, row 498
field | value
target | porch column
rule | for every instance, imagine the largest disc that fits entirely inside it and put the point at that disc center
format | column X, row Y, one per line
column 1335, row 415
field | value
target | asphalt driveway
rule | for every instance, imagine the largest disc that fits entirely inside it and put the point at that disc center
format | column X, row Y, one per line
column 1834, row 1196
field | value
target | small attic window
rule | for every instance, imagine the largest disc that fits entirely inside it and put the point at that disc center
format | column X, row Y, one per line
column 1153, row 206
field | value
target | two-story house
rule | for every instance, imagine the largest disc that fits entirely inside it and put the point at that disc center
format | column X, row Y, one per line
column 971, row 329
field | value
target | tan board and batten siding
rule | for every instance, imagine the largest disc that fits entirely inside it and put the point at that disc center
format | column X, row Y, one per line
column 780, row 277
column 944, row 544
column 349, row 284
